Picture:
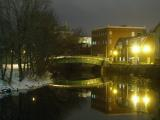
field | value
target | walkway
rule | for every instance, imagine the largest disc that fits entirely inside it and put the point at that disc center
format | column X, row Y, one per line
column 78, row 59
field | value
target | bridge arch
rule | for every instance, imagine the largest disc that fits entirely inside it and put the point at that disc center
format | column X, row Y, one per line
column 79, row 59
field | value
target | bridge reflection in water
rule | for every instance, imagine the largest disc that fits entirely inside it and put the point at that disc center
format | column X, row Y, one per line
column 113, row 94
column 78, row 83
column 124, row 94
column 116, row 95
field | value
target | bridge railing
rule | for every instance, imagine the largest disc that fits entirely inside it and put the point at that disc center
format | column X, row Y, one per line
column 79, row 59
column 86, row 57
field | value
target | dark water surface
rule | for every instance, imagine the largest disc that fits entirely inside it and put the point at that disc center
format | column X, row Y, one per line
column 98, row 103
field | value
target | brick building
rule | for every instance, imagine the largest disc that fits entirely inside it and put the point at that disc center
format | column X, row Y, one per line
column 140, row 49
column 105, row 39
column 148, row 45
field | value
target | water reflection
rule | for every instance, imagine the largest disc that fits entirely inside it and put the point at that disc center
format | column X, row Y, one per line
column 118, row 94
column 124, row 94
column 42, row 104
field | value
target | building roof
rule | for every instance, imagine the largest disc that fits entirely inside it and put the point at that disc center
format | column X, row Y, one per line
column 126, row 26
column 123, row 39
column 122, row 26
column 157, row 28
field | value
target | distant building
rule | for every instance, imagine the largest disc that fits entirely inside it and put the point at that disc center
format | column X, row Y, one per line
column 105, row 39
column 85, row 45
column 85, row 41
column 156, row 33
column 140, row 49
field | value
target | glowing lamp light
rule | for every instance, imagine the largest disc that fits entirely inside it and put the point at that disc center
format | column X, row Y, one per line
column 135, row 99
column 115, row 91
column 33, row 99
column 24, row 51
column 115, row 53
column 146, row 49
column 110, row 88
column 146, row 100
column 135, row 49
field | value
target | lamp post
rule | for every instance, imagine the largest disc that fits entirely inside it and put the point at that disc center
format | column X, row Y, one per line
column 136, row 50
column 127, row 51
column 115, row 53
column 147, row 50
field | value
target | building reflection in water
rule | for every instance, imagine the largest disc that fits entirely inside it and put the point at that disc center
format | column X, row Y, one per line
column 123, row 95
column 118, row 94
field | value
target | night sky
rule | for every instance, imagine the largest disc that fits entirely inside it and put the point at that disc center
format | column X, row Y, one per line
column 89, row 14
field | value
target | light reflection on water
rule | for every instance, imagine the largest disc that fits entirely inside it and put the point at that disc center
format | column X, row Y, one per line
column 51, row 103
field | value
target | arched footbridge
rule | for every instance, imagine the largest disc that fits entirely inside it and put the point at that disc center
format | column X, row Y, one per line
column 79, row 59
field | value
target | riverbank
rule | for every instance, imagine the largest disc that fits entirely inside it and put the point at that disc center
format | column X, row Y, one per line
column 147, row 70
column 28, row 83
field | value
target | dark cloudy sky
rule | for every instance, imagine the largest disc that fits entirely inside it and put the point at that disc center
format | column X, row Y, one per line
column 88, row 14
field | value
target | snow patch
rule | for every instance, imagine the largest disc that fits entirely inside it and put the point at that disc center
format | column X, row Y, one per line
column 27, row 83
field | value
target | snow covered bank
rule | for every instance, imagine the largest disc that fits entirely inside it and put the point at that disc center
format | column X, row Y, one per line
column 28, row 82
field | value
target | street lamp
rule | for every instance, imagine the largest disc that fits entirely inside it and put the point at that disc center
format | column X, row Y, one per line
column 33, row 99
column 135, row 50
column 146, row 100
column 135, row 99
column 115, row 91
column 147, row 50
column 115, row 53
column 24, row 51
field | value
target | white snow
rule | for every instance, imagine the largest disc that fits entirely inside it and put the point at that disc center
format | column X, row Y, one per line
column 27, row 83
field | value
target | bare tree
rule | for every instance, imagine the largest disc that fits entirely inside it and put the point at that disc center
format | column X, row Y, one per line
column 30, row 34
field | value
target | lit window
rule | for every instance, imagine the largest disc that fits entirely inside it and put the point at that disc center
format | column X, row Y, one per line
column 94, row 42
column 110, row 32
column 111, row 52
column 132, row 34
column 126, row 42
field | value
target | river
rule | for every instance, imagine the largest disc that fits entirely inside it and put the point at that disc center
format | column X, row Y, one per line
column 119, row 97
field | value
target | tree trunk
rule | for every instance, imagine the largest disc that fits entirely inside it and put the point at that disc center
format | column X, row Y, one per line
column 11, row 72
column 20, row 65
column 24, row 64
column 31, row 64
column 1, row 66
column 3, row 71
column 27, row 61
